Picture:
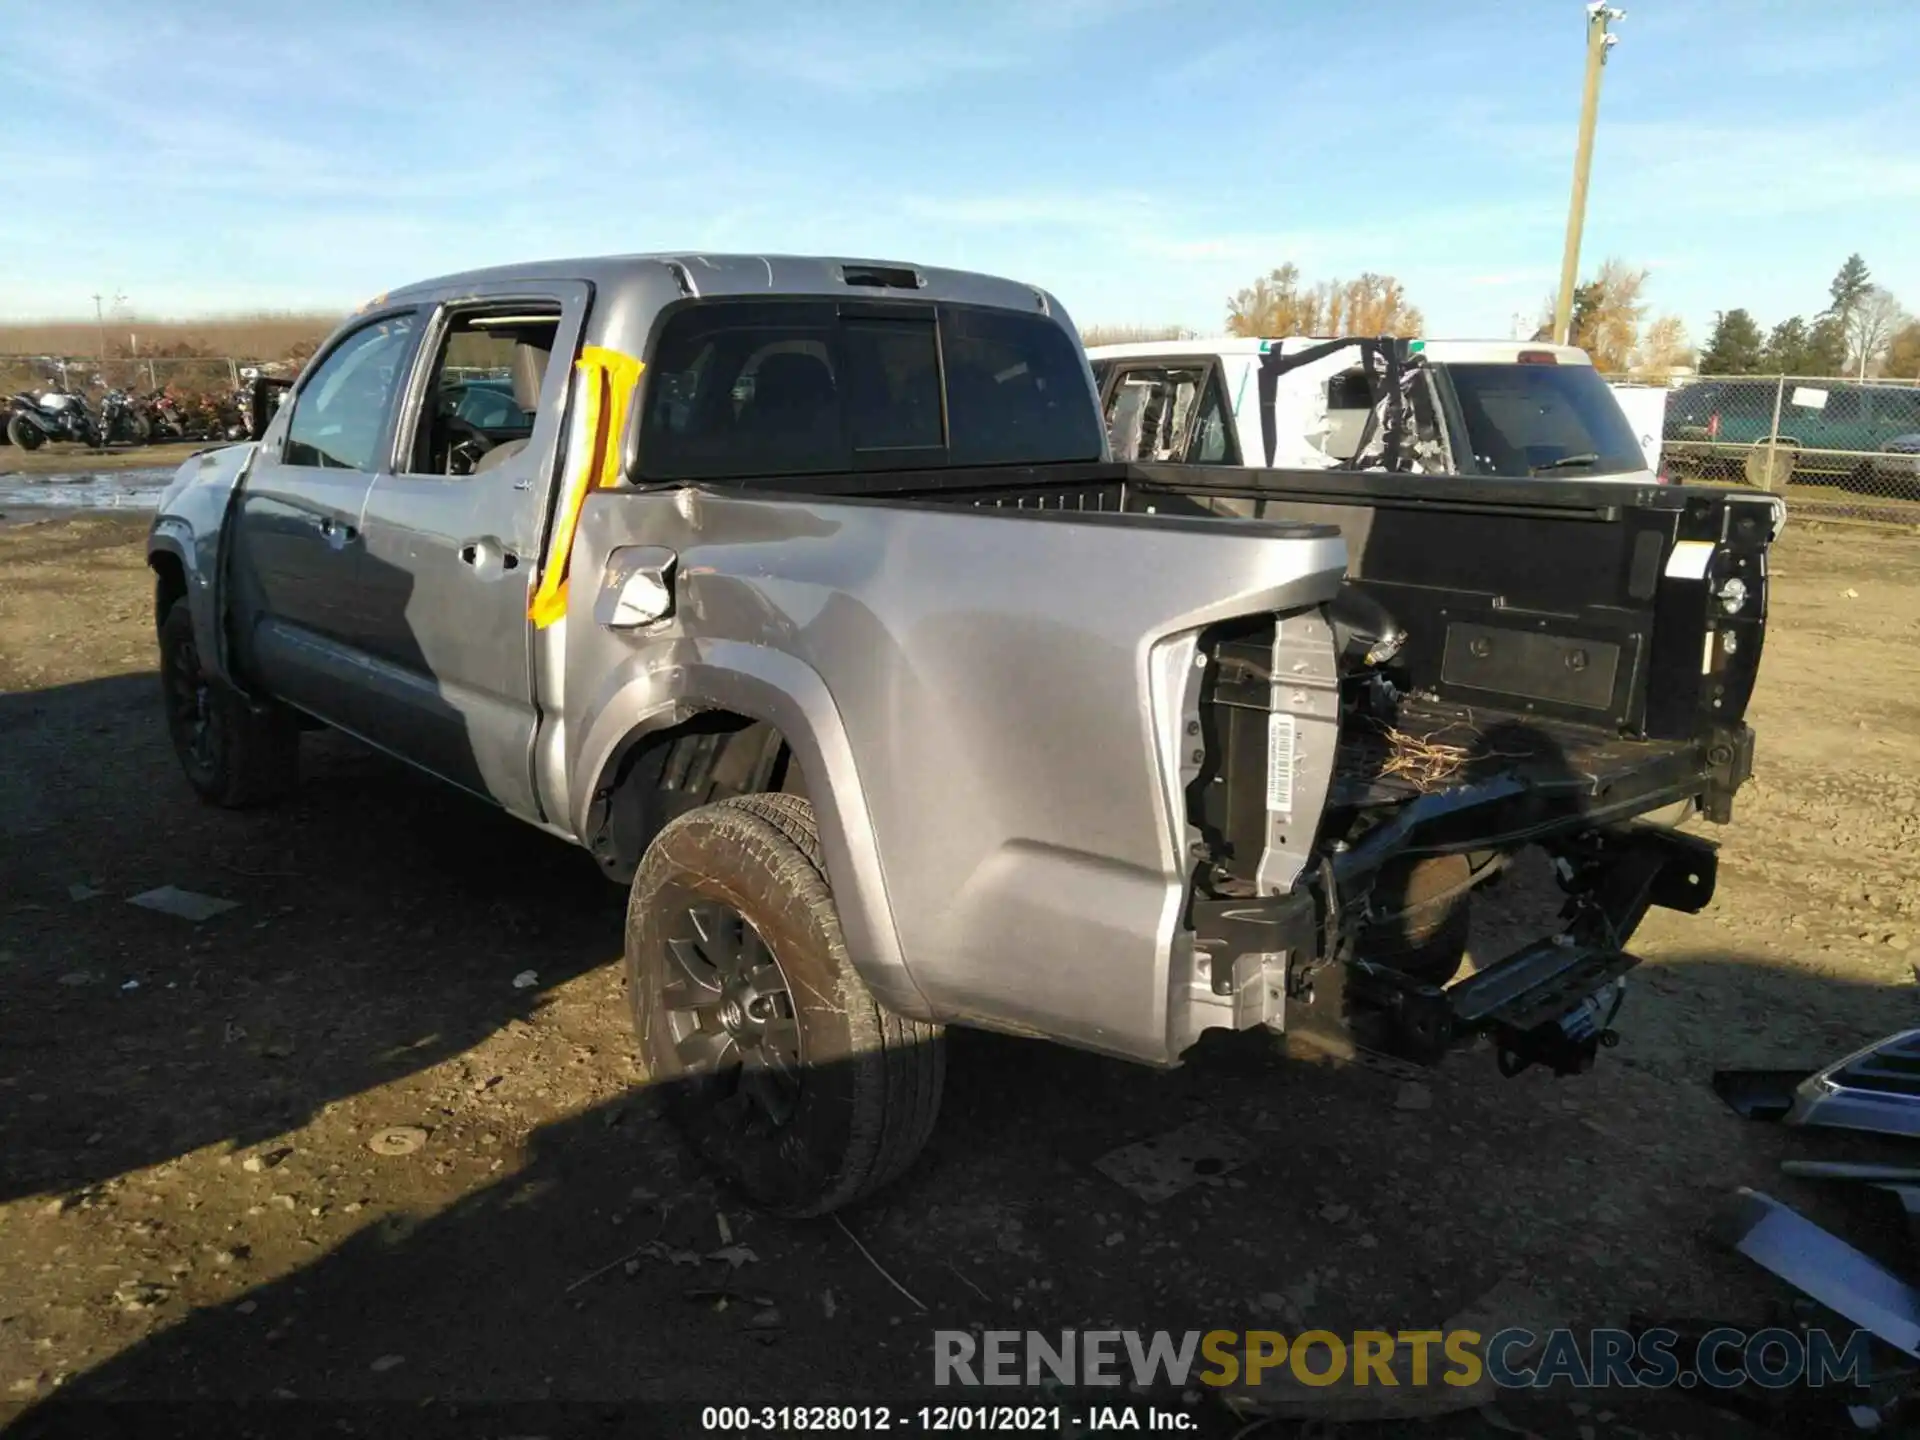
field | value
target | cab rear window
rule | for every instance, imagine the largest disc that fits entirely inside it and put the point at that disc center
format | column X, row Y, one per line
column 742, row 389
column 1543, row 419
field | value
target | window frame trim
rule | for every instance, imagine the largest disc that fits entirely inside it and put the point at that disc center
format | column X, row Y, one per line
column 434, row 335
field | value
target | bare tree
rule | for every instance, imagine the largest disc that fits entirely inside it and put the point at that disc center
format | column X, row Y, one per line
column 1870, row 324
column 1664, row 348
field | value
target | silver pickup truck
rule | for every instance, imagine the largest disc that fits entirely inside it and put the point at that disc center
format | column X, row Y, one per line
column 804, row 595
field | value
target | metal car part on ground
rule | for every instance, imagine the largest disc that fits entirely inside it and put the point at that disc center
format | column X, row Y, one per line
column 1875, row 1088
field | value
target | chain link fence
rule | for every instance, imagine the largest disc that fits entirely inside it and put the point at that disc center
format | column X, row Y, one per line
column 87, row 375
column 1831, row 446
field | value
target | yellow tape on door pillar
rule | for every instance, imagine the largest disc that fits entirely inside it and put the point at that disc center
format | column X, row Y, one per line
column 609, row 378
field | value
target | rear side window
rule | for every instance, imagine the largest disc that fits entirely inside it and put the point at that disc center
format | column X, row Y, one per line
column 744, row 389
column 1544, row 419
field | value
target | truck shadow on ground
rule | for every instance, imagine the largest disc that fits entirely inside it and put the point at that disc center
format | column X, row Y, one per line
column 598, row 1278
column 379, row 925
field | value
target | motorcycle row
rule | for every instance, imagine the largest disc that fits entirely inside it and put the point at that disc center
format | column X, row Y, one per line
column 33, row 419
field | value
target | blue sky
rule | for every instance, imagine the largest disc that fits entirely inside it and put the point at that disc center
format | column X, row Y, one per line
column 1141, row 158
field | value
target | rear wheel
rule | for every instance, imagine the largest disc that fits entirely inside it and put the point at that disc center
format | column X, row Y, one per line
column 235, row 755
column 767, row 1049
column 27, row 437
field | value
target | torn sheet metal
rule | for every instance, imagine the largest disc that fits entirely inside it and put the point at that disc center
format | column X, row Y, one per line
column 1823, row 1266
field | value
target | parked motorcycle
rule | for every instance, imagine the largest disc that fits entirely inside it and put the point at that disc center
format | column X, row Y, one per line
column 123, row 418
column 166, row 419
column 55, row 415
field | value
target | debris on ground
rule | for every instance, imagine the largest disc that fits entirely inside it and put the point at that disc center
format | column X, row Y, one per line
column 1160, row 1167
column 526, row 980
column 186, row 904
column 397, row 1140
column 1822, row 1266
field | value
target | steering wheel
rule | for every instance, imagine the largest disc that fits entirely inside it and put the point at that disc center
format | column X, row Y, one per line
column 467, row 442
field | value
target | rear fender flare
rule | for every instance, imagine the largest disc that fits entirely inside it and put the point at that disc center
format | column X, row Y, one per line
column 769, row 685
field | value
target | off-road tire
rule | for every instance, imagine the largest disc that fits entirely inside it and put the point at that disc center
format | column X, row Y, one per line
column 1426, row 935
column 25, row 436
column 247, row 755
column 869, row 1081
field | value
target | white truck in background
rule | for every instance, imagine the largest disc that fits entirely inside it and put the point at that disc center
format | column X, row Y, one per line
column 1462, row 407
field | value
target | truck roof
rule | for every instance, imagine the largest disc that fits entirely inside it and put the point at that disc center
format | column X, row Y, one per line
column 1456, row 352
column 705, row 274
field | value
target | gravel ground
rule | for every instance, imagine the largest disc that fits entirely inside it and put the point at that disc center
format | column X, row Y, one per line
column 196, row 1202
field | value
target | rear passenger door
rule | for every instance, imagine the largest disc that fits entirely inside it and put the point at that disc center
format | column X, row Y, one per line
column 296, row 532
column 453, row 535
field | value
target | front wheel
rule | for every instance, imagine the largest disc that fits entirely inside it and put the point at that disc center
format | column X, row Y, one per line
column 24, row 435
column 235, row 754
column 768, row 1050
column 139, row 429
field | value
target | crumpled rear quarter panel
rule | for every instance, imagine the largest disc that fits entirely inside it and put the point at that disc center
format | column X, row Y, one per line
column 968, row 692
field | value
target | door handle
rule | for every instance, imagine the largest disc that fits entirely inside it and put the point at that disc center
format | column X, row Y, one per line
column 336, row 531
column 487, row 554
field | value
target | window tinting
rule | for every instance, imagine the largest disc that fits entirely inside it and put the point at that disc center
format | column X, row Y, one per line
column 1843, row 405
column 736, row 390
column 740, row 389
column 1017, row 390
column 342, row 411
column 893, row 383
column 1521, row 418
column 1897, row 407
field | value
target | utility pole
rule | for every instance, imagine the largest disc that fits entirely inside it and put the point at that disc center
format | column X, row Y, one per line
column 1599, row 42
column 100, row 319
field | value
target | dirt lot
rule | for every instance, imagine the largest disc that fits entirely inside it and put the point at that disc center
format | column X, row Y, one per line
column 190, row 1209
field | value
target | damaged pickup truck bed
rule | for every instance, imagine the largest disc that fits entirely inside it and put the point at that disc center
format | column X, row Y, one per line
column 803, row 595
